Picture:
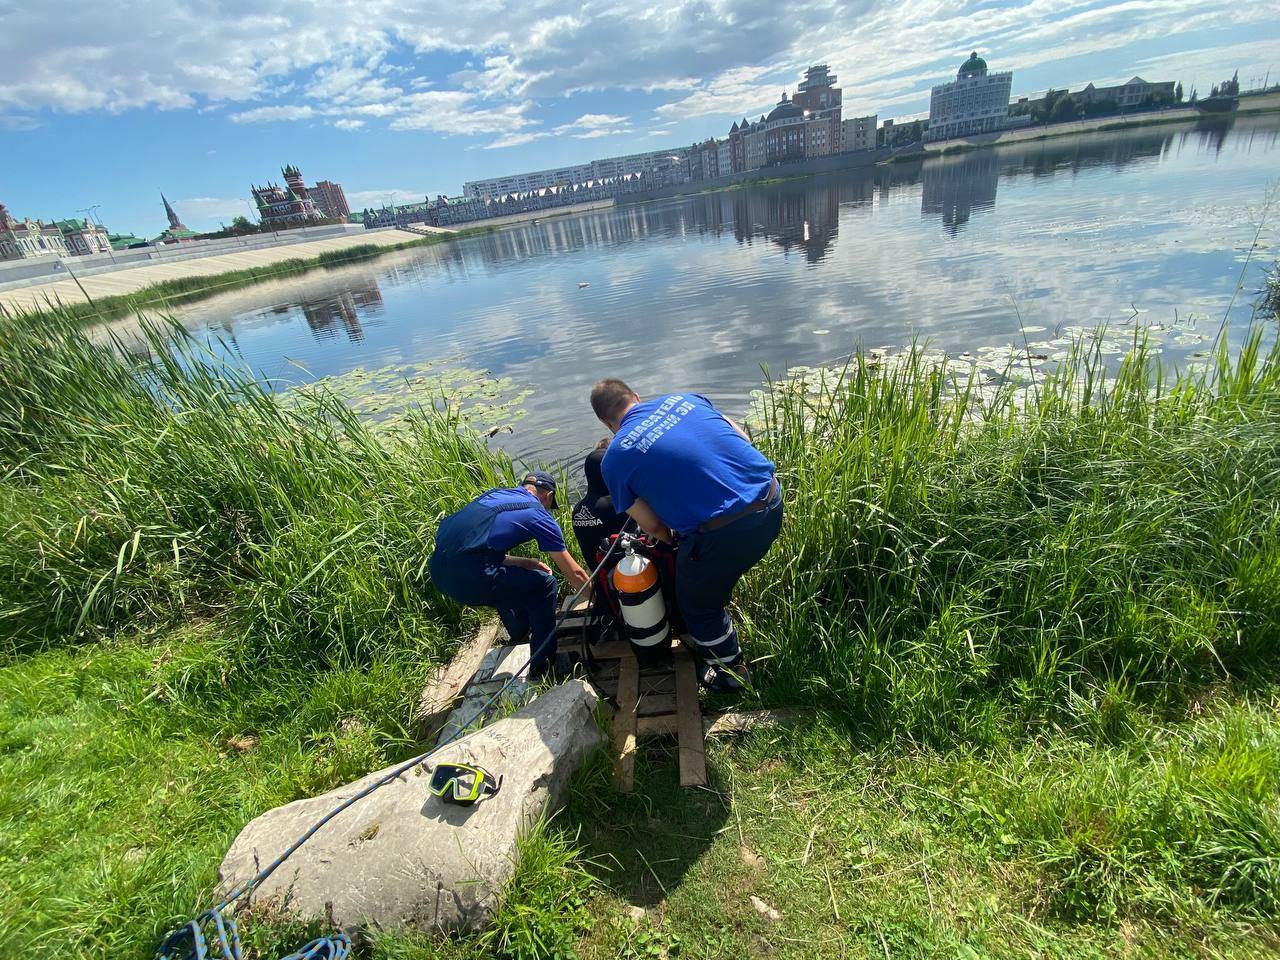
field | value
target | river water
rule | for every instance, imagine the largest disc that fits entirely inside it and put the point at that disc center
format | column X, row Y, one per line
column 702, row 292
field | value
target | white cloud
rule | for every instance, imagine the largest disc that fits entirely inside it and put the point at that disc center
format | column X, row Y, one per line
column 348, row 124
column 18, row 123
column 277, row 61
column 268, row 114
column 516, row 139
column 456, row 112
column 590, row 126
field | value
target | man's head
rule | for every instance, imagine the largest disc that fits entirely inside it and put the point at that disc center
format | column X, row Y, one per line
column 611, row 399
column 543, row 486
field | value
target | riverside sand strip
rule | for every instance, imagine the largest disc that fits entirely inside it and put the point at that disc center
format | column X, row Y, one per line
column 125, row 282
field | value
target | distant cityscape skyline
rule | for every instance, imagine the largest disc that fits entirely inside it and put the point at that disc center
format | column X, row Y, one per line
column 396, row 114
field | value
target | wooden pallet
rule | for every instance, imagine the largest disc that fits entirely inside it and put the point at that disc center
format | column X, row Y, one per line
column 656, row 700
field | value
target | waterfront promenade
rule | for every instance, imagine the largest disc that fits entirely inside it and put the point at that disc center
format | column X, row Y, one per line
column 131, row 280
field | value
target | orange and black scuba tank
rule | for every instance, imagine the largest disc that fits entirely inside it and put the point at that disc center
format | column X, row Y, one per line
column 638, row 590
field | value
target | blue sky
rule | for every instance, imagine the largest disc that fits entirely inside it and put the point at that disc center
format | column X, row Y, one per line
column 112, row 103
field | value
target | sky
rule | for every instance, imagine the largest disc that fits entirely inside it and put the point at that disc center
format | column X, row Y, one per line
column 110, row 104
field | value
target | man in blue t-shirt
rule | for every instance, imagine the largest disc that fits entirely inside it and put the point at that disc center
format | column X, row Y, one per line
column 688, row 474
column 471, row 563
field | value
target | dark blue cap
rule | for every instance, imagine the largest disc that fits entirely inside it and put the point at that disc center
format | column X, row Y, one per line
column 543, row 481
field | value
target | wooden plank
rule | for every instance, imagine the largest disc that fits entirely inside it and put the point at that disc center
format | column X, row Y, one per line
column 652, row 704
column 747, row 721
column 662, row 725
column 616, row 649
column 664, row 682
column 446, row 682
column 725, row 724
column 624, row 725
column 693, row 757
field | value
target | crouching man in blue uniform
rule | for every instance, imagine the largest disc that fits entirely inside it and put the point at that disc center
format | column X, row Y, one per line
column 471, row 564
column 688, row 474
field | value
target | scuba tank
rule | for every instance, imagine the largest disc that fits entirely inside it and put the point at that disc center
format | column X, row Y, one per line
column 644, row 611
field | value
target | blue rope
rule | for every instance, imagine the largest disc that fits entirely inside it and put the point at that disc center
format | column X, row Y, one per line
column 191, row 941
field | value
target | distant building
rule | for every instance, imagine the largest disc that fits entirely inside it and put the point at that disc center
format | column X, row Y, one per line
column 290, row 205
column 975, row 102
column 446, row 211
column 657, row 164
column 1135, row 93
column 819, row 99
column 797, row 128
column 24, row 239
column 331, row 200
column 177, row 232
column 704, row 161
column 125, row 241
column 858, row 133
column 83, row 237
column 724, row 157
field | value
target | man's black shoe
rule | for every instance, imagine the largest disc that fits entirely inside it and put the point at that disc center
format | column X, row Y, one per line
column 724, row 679
column 557, row 669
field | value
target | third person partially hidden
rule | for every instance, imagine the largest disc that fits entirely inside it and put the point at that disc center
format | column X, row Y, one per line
column 688, row 474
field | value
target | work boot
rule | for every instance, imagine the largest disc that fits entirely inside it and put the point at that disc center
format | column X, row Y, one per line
column 722, row 678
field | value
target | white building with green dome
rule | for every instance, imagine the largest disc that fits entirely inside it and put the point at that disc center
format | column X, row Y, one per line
column 976, row 101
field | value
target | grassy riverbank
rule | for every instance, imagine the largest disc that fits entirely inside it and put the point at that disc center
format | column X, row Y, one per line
column 1036, row 631
column 169, row 293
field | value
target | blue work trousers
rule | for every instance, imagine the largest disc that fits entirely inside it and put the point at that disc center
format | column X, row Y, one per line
column 708, row 566
column 525, row 599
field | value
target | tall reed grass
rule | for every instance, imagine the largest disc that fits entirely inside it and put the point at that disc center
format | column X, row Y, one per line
column 951, row 562
column 137, row 488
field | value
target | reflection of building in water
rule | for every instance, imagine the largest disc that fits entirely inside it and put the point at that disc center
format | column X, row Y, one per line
column 802, row 215
column 1212, row 131
column 324, row 315
column 954, row 187
column 1115, row 149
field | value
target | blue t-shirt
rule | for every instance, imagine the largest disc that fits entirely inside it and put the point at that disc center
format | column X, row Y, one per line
column 682, row 457
column 514, row 527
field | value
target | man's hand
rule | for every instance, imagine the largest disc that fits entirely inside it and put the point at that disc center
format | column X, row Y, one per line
column 569, row 567
column 527, row 562
column 649, row 521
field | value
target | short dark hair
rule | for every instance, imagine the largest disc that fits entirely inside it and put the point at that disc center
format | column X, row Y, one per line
column 609, row 398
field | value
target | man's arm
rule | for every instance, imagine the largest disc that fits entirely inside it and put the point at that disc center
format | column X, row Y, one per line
column 649, row 521
column 735, row 426
column 569, row 567
column 527, row 562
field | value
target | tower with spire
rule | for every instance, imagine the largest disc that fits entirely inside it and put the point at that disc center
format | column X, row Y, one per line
column 174, row 222
column 178, row 231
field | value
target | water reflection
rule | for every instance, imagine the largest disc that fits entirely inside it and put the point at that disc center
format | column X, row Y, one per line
column 325, row 315
column 954, row 187
column 703, row 290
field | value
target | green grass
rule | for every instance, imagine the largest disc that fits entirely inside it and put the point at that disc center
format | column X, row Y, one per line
column 169, row 293
column 125, row 786
column 130, row 765
column 1036, row 628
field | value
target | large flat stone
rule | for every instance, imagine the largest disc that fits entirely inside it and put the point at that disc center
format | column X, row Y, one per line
column 401, row 858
